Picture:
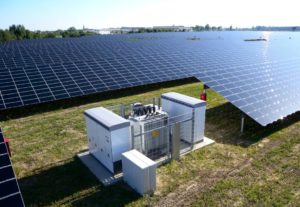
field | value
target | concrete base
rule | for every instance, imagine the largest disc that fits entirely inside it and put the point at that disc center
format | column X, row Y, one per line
column 103, row 174
column 185, row 148
column 107, row 178
column 206, row 141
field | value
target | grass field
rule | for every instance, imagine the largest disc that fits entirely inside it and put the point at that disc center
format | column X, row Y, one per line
column 258, row 168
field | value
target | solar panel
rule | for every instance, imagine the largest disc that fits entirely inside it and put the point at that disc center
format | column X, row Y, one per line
column 265, row 92
column 260, row 78
column 10, row 194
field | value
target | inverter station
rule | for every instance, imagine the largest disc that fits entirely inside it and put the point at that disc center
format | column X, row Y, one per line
column 257, row 72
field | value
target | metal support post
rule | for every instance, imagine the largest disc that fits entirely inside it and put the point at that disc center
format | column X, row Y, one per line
column 242, row 123
column 175, row 153
column 159, row 103
column 122, row 109
column 132, row 145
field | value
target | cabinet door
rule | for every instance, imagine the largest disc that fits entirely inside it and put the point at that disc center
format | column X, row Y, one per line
column 92, row 144
column 105, row 145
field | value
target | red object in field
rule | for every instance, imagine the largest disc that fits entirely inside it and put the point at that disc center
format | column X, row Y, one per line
column 203, row 96
column 6, row 140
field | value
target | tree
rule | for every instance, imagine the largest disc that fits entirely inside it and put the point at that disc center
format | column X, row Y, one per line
column 230, row 28
column 198, row 28
column 207, row 27
column 28, row 34
column 50, row 35
column 6, row 36
column 71, row 32
column 18, row 30
column 72, row 29
column 37, row 35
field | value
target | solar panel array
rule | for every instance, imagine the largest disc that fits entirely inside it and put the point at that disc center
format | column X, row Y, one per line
column 10, row 194
column 261, row 78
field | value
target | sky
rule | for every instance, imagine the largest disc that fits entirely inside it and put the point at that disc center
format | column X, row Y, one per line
column 96, row 14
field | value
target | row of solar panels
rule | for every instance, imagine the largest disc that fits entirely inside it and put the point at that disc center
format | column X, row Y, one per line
column 10, row 194
column 260, row 78
column 107, row 52
column 51, row 51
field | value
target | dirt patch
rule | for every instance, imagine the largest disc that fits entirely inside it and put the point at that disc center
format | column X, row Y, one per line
column 296, row 148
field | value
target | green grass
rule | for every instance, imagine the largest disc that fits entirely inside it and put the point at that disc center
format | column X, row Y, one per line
column 258, row 168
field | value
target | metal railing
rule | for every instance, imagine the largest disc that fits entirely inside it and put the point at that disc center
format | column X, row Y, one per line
column 161, row 138
column 159, row 143
column 124, row 110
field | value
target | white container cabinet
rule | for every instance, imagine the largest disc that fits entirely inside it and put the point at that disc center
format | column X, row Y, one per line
column 108, row 137
column 139, row 172
column 185, row 107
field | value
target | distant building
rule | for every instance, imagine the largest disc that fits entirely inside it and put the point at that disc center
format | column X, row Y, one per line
column 174, row 28
column 104, row 31
column 125, row 30
column 90, row 30
column 264, row 28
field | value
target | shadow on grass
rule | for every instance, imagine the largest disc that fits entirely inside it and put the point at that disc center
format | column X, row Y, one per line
column 24, row 111
column 223, row 125
column 72, row 183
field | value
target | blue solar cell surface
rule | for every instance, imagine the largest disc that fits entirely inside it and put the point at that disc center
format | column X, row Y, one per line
column 10, row 194
column 260, row 78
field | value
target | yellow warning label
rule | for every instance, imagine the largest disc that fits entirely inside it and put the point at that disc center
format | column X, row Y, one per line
column 155, row 133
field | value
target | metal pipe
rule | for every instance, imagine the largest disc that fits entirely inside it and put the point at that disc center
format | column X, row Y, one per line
column 132, row 137
column 193, row 128
column 242, row 123
column 159, row 102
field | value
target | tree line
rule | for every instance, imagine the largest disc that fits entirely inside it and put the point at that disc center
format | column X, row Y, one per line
column 196, row 28
column 154, row 30
column 207, row 27
column 19, row 32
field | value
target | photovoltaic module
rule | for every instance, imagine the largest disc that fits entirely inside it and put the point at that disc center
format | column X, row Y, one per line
column 10, row 194
column 261, row 78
